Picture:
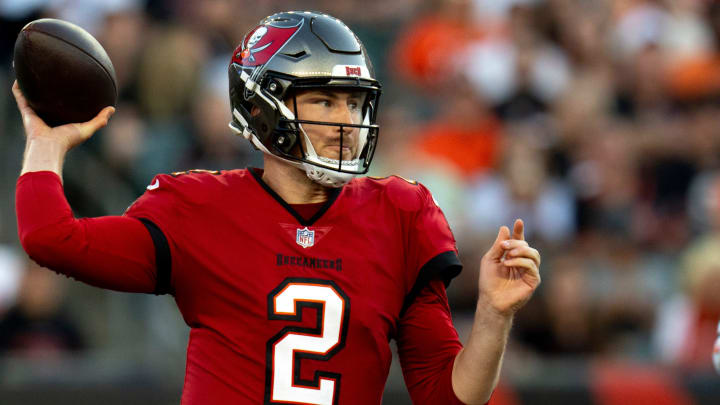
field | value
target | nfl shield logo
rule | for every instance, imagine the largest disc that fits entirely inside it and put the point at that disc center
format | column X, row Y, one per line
column 305, row 237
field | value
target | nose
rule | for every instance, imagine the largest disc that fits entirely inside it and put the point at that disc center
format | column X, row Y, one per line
column 344, row 114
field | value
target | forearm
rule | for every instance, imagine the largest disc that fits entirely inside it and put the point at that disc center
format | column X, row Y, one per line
column 477, row 367
column 509, row 274
column 43, row 154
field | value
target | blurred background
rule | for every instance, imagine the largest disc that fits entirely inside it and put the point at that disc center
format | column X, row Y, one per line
column 596, row 121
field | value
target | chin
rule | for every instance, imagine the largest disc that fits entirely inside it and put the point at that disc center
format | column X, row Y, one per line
column 334, row 156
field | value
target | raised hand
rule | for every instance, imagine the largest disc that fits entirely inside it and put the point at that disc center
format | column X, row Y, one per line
column 509, row 271
column 68, row 136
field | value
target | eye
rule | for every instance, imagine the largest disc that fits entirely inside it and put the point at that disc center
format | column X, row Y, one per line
column 353, row 105
column 325, row 102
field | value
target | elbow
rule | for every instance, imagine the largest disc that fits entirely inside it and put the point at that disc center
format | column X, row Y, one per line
column 45, row 245
column 35, row 243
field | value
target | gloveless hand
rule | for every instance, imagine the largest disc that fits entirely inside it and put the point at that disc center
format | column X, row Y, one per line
column 509, row 272
column 67, row 136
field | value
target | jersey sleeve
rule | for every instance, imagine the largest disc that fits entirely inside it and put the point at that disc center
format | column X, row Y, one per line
column 427, row 346
column 432, row 253
column 111, row 252
column 160, row 209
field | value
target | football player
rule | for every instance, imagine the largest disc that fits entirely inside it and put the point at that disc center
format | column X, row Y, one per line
column 293, row 279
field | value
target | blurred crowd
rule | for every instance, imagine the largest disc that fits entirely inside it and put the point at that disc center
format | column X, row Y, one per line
column 593, row 120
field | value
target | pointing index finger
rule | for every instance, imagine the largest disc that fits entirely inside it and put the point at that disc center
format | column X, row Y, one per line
column 498, row 249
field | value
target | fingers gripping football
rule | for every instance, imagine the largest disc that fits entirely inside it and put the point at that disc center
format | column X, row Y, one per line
column 509, row 271
column 69, row 135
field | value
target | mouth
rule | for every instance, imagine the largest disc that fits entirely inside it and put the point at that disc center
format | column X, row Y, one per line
column 334, row 151
column 336, row 148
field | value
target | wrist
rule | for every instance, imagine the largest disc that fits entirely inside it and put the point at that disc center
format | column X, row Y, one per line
column 44, row 154
column 487, row 314
column 49, row 142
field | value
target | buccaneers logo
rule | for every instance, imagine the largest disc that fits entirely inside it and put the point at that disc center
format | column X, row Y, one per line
column 262, row 44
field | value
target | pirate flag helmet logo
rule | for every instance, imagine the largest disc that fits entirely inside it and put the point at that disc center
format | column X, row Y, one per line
column 262, row 44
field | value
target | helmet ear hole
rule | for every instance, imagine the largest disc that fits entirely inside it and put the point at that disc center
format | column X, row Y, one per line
column 274, row 88
column 285, row 141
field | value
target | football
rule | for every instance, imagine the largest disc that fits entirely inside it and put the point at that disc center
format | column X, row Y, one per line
column 63, row 71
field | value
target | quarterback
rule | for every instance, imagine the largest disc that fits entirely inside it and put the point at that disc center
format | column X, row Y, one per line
column 294, row 278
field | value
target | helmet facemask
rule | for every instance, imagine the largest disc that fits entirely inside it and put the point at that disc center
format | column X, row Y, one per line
column 363, row 139
column 290, row 141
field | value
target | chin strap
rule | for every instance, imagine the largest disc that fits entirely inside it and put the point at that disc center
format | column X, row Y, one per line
column 327, row 177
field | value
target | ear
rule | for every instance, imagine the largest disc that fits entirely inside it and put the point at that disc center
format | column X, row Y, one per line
column 255, row 111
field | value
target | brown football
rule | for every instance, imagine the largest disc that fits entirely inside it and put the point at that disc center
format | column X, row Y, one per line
column 63, row 71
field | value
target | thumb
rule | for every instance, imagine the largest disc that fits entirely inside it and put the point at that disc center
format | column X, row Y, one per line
column 88, row 128
column 496, row 250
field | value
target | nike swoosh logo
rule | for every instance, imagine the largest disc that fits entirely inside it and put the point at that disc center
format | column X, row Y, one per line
column 154, row 185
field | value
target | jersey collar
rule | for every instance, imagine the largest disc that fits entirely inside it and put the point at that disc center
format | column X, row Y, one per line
column 333, row 194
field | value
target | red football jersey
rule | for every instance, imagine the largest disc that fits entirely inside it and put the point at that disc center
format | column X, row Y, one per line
column 285, row 309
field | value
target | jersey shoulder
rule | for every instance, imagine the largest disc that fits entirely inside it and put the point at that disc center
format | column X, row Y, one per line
column 405, row 194
column 196, row 186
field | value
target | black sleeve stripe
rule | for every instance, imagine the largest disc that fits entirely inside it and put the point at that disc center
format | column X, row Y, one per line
column 162, row 257
column 446, row 266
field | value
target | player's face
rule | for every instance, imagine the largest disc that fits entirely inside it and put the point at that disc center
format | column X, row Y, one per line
column 343, row 107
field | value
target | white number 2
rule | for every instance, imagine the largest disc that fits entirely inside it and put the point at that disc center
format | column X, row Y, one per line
column 294, row 343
